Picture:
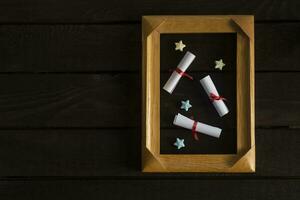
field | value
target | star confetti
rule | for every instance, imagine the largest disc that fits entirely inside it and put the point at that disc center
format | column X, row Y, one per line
column 179, row 143
column 185, row 105
column 179, row 45
column 219, row 64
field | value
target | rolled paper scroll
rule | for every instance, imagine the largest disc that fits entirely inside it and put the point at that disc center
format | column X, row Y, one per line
column 185, row 122
column 179, row 72
column 214, row 96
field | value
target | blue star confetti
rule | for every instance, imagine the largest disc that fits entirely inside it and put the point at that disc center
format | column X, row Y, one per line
column 185, row 105
column 179, row 143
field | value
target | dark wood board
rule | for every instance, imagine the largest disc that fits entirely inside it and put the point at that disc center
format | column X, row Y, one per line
column 93, row 11
column 69, row 48
column 151, row 189
column 70, row 72
column 76, row 100
column 104, row 100
column 88, row 48
column 113, row 153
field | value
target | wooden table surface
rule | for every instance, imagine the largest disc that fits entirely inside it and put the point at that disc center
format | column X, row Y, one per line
column 70, row 82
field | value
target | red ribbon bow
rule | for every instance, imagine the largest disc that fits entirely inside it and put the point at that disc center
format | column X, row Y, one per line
column 182, row 73
column 194, row 132
column 214, row 97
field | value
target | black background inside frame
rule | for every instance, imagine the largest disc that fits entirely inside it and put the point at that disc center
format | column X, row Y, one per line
column 207, row 47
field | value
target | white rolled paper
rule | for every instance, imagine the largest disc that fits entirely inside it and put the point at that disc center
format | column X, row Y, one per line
column 210, row 88
column 175, row 77
column 185, row 122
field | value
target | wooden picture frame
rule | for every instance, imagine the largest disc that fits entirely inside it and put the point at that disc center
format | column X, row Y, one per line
column 244, row 159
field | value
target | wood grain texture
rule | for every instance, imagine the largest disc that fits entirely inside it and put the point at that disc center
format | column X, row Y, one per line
column 61, row 100
column 105, row 100
column 96, row 99
column 151, row 189
column 93, row 11
column 69, row 48
column 88, row 48
column 109, row 153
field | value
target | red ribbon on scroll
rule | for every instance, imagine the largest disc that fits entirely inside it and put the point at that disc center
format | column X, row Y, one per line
column 181, row 73
column 214, row 97
column 194, row 131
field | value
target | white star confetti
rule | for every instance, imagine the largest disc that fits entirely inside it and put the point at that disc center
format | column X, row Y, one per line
column 179, row 45
column 219, row 64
